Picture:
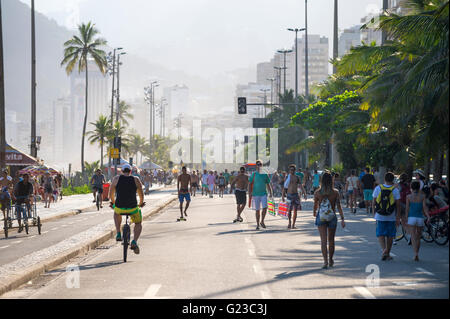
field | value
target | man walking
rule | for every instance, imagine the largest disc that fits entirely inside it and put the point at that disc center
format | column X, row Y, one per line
column 386, row 199
column 241, row 184
column 291, row 185
column 184, row 180
column 368, row 184
column 260, row 182
column 211, row 183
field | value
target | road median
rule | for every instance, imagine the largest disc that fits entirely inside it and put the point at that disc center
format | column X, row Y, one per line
column 23, row 270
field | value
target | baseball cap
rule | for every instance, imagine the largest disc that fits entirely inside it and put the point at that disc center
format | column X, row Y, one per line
column 420, row 172
column 126, row 167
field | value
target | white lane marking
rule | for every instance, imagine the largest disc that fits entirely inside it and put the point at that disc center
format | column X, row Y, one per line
column 247, row 240
column 54, row 229
column 251, row 252
column 265, row 294
column 256, row 269
column 17, row 242
column 365, row 292
column 405, row 283
column 151, row 293
column 425, row 271
column 4, row 247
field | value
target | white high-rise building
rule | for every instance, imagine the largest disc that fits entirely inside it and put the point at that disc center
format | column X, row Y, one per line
column 177, row 102
column 61, row 130
column 349, row 38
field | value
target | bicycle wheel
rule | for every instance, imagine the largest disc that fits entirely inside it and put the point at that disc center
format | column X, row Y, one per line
column 426, row 232
column 440, row 231
column 400, row 233
column 5, row 228
column 126, row 241
column 39, row 225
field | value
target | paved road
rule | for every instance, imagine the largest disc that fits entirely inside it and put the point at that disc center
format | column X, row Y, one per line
column 210, row 257
column 21, row 244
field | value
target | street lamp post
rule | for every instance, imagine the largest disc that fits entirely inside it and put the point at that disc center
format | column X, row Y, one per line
column 296, row 30
column 265, row 100
column 112, row 71
column 278, row 81
column 284, row 51
column 153, row 110
column 2, row 99
column 271, row 89
column 118, row 98
column 33, row 84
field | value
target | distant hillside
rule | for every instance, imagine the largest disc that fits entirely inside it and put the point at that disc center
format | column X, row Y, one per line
column 51, row 79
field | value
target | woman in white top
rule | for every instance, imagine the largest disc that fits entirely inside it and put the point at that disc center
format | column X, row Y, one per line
column 350, row 187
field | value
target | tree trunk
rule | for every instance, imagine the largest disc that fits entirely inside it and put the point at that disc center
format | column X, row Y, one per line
column 85, row 118
column 101, row 152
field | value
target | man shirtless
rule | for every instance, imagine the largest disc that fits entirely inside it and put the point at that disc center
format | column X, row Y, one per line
column 183, row 192
column 5, row 186
column 194, row 183
column 240, row 183
column 292, row 184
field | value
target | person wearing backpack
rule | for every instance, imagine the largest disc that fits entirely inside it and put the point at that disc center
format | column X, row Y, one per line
column 325, row 200
column 386, row 200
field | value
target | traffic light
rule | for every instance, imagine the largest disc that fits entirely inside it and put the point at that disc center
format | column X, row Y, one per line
column 242, row 105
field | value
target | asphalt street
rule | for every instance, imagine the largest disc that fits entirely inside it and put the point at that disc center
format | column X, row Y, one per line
column 52, row 232
column 208, row 256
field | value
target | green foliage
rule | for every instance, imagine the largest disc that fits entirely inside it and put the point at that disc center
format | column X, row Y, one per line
column 67, row 191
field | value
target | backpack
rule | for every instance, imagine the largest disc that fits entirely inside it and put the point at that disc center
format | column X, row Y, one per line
column 385, row 202
column 326, row 214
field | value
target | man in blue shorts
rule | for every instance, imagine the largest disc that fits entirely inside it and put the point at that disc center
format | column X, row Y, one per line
column 184, row 181
column 386, row 200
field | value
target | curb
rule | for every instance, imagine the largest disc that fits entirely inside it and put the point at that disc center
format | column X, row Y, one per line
column 17, row 280
column 70, row 213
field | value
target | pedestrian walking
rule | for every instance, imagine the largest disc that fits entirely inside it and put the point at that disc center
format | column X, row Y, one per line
column 261, row 182
column 367, row 185
column 416, row 208
column 326, row 198
column 291, row 187
column 240, row 182
column 386, row 200
column 351, row 187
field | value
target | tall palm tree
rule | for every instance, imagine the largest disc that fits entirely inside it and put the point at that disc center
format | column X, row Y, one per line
column 100, row 133
column 136, row 145
column 124, row 113
column 77, row 51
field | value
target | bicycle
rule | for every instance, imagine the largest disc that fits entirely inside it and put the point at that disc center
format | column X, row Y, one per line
column 126, row 232
column 439, row 225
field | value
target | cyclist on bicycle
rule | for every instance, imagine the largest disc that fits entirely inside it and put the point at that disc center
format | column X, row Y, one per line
column 97, row 181
column 23, row 192
column 123, row 199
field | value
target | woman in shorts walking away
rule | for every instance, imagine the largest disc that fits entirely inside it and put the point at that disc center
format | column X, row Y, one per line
column 325, row 200
column 415, row 209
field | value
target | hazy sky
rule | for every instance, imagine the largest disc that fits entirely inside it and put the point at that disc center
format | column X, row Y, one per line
column 205, row 37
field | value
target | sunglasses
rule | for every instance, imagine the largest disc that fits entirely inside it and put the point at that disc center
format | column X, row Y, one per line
column 258, row 164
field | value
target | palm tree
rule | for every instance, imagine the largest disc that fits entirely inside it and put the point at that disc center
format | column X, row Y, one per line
column 91, row 167
column 100, row 133
column 136, row 145
column 124, row 113
column 77, row 51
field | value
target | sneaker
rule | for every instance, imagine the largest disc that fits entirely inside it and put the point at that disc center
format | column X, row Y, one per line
column 119, row 237
column 240, row 219
column 263, row 225
column 134, row 247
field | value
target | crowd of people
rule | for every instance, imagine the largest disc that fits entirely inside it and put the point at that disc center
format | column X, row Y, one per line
column 388, row 199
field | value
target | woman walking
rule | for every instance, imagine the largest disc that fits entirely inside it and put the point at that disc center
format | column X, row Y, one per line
column 415, row 209
column 325, row 200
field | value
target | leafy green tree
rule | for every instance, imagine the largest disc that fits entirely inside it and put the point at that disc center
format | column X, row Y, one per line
column 77, row 51
column 124, row 113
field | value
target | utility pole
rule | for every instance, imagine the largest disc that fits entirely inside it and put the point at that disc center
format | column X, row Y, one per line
column 284, row 51
column 278, row 82
column 118, row 100
column 33, row 150
column 383, row 32
column 306, row 50
column 2, row 99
